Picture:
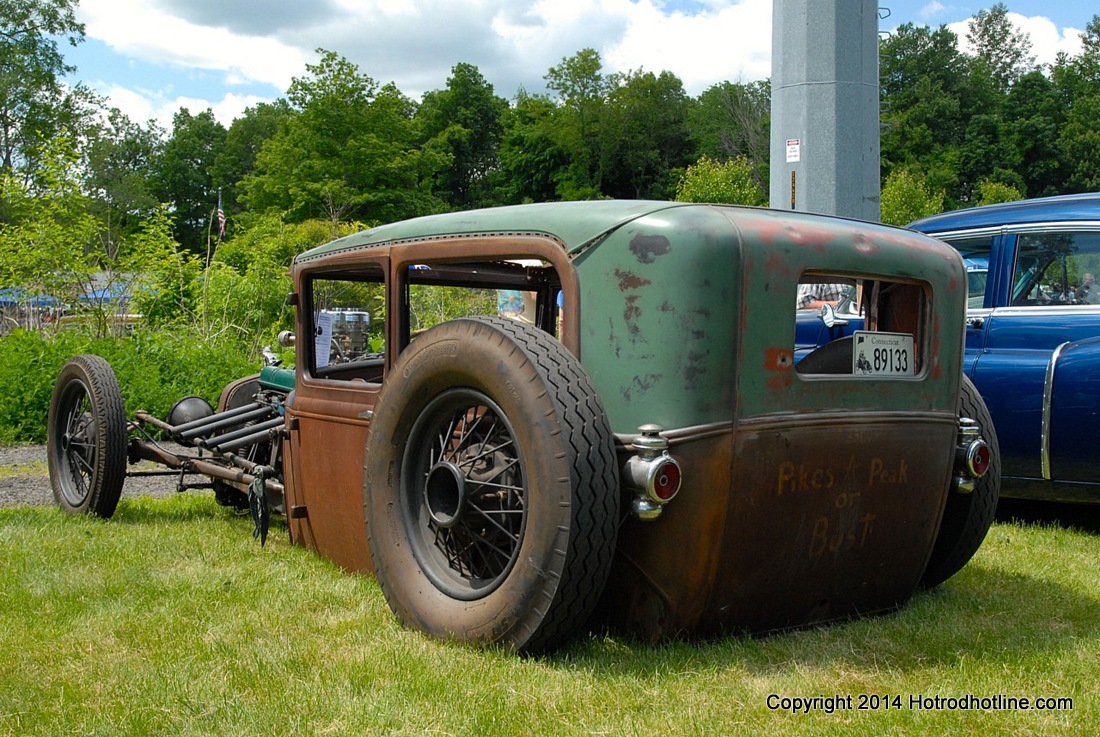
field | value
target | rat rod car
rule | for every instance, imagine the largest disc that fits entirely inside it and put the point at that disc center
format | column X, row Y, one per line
column 632, row 436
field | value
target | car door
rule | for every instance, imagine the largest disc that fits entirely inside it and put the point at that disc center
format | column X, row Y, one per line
column 341, row 352
column 1034, row 353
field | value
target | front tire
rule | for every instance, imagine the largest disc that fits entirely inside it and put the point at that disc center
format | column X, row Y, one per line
column 86, row 438
column 967, row 517
column 490, row 487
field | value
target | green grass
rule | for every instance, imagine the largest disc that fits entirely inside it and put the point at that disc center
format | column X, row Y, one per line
column 170, row 620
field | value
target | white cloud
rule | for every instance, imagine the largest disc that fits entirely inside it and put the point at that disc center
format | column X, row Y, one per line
column 142, row 32
column 142, row 105
column 728, row 43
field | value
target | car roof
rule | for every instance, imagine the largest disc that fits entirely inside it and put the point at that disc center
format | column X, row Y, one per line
column 1063, row 208
column 575, row 224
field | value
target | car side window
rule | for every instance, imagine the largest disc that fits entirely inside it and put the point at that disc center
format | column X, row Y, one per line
column 975, row 253
column 1055, row 269
column 522, row 289
column 347, row 325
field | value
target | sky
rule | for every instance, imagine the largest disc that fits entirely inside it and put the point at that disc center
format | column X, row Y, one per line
column 149, row 58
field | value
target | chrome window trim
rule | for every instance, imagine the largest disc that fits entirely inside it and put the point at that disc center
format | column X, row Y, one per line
column 1085, row 226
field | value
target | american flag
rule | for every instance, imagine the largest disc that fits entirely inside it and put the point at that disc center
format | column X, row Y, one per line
column 221, row 218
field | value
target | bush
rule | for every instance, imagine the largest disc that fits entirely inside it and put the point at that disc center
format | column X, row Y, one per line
column 154, row 369
column 730, row 182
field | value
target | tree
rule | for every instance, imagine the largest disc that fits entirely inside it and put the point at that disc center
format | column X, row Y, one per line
column 1033, row 121
column 31, row 70
column 991, row 192
column 581, row 90
column 1002, row 52
column 35, row 106
column 243, row 140
column 1077, row 87
column 731, row 182
column 118, row 158
column 183, row 176
column 923, row 78
column 464, row 121
column 907, row 197
column 531, row 159
column 55, row 251
column 349, row 150
column 643, row 135
column 731, row 120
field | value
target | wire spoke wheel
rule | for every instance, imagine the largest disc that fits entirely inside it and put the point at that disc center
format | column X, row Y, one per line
column 490, row 487
column 77, row 443
column 464, row 492
column 86, row 438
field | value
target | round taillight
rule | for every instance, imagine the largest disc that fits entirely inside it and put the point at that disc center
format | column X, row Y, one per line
column 666, row 480
column 978, row 458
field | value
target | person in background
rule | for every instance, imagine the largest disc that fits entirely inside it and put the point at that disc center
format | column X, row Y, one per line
column 812, row 296
column 1088, row 293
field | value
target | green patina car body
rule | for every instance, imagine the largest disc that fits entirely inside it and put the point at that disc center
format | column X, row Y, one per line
column 638, row 435
column 805, row 496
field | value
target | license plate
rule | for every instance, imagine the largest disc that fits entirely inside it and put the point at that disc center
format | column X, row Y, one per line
column 882, row 354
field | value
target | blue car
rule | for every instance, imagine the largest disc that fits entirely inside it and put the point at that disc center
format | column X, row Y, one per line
column 1033, row 336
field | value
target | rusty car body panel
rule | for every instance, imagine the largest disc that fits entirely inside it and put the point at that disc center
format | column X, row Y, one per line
column 805, row 498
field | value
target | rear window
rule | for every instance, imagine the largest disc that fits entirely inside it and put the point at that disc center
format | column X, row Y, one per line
column 864, row 326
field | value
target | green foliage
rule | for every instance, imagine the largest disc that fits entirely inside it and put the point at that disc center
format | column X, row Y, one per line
column 530, row 155
column 265, row 237
column 732, row 120
column 464, row 123
column 56, row 249
column 431, row 305
column 731, row 182
column 349, row 151
column 993, row 192
column 154, row 369
column 644, row 135
column 119, row 156
column 243, row 141
column 1002, row 52
column 907, row 197
column 35, row 104
column 183, row 177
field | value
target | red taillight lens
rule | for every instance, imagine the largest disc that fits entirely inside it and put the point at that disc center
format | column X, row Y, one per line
column 666, row 480
column 977, row 458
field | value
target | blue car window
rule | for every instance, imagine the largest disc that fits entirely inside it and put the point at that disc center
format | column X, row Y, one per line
column 975, row 253
column 1056, row 269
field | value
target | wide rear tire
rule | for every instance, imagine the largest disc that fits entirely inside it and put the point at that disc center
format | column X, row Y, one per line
column 490, row 487
column 967, row 517
column 86, row 438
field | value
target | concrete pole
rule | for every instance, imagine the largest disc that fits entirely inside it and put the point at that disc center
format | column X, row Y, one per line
column 825, row 102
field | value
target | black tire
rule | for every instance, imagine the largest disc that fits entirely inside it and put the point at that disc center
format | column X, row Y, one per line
column 86, row 440
column 490, row 486
column 967, row 517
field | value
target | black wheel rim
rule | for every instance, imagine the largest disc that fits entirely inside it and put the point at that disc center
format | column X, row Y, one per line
column 75, row 443
column 463, row 493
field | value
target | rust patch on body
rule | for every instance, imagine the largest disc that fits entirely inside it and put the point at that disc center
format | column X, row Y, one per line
column 778, row 362
column 628, row 281
column 631, row 315
column 646, row 248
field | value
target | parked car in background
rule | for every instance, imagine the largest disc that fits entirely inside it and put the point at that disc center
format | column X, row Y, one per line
column 1033, row 336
